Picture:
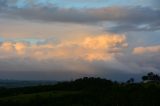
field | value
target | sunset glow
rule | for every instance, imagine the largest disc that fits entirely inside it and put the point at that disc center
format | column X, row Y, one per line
column 85, row 38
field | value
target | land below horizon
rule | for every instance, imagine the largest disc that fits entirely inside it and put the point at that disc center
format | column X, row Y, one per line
column 87, row 91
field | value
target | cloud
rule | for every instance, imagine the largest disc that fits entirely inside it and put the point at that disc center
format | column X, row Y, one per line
column 102, row 55
column 82, row 56
column 84, row 1
column 42, row 37
column 14, row 29
column 146, row 50
column 142, row 60
column 90, row 48
column 134, row 27
column 53, row 13
column 115, row 14
column 155, row 3
column 125, row 18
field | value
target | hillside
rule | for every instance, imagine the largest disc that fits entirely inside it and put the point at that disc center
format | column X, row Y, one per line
column 83, row 92
column 23, row 83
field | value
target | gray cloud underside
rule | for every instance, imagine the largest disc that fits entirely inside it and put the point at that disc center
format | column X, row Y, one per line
column 125, row 18
column 135, row 27
column 122, row 69
column 56, row 70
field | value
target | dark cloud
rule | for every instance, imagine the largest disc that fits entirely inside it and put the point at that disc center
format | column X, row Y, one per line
column 40, row 75
column 126, row 18
column 3, row 4
column 121, row 69
column 141, row 63
column 114, row 14
column 134, row 27
column 58, row 70
column 90, row 0
column 156, row 3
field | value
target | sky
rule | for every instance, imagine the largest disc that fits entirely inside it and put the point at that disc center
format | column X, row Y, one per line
column 68, row 39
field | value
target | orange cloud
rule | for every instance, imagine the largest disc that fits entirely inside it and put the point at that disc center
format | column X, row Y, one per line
column 7, row 46
column 89, row 48
column 20, row 48
column 143, row 50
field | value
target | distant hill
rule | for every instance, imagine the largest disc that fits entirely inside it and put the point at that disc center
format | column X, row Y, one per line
column 23, row 83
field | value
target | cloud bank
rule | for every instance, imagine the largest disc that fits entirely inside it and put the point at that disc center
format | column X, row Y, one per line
column 125, row 18
column 119, row 38
column 90, row 48
column 147, row 50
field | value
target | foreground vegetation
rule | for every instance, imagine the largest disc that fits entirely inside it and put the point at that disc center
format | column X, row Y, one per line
column 84, row 92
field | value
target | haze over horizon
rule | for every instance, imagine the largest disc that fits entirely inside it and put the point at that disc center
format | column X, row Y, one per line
column 67, row 39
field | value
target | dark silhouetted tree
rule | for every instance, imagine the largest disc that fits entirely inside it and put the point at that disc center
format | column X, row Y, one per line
column 151, row 77
column 130, row 81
